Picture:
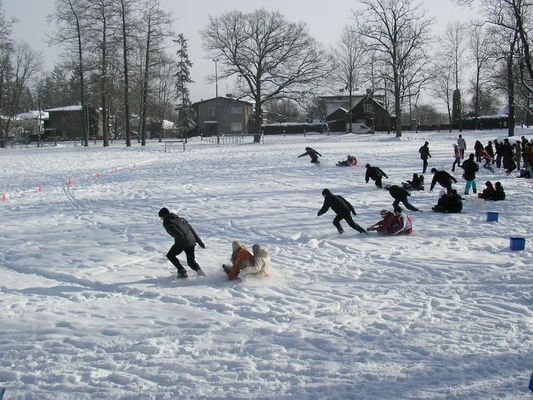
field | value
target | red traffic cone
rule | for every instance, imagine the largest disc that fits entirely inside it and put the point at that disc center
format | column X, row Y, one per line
column 4, row 197
column 70, row 182
column 39, row 188
column 97, row 174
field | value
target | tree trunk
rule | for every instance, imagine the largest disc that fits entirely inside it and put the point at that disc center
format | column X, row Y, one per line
column 126, row 78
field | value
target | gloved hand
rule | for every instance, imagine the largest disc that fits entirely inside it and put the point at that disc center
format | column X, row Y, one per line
column 201, row 244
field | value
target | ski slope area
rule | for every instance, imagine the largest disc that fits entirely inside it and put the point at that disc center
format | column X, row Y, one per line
column 90, row 309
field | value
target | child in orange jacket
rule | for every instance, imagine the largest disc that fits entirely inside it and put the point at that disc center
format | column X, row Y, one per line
column 240, row 258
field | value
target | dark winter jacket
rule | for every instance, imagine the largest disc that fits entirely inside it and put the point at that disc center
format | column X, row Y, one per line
column 309, row 151
column 182, row 232
column 499, row 194
column 489, row 150
column 338, row 204
column 398, row 193
column 470, row 167
column 443, row 178
column 488, row 192
column 374, row 173
column 424, row 152
column 449, row 203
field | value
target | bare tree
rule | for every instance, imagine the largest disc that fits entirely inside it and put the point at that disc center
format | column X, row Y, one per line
column 348, row 62
column 270, row 57
column 101, row 17
column 443, row 84
column 156, row 30
column 479, row 44
column 71, row 26
column 398, row 31
column 128, row 21
column 516, row 16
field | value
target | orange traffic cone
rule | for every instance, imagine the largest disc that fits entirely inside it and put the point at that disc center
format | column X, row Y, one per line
column 39, row 188
column 4, row 197
column 97, row 174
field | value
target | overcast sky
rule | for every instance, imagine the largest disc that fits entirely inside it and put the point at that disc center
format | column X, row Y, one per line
column 325, row 20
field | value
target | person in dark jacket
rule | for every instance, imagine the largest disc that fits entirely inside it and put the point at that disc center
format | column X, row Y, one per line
column 309, row 151
column 376, row 174
column 424, row 155
column 470, row 168
column 342, row 208
column 399, row 194
column 450, row 202
column 416, row 183
column 488, row 192
column 499, row 193
column 442, row 178
column 185, row 239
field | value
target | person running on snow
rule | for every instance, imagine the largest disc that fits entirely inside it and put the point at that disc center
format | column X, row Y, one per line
column 376, row 174
column 443, row 178
column 342, row 208
column 456, row 157
column 309, row 151
column 470, row 167
column 399, row 194
column 185, row 239
column 424, row 155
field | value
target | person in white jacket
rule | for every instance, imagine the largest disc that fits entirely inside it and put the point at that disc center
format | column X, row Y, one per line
column 260, row 267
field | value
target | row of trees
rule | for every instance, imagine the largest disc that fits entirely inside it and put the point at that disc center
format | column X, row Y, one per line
column 117, row 57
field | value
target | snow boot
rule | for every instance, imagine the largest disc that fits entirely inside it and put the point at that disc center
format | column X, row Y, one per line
column 182, row 275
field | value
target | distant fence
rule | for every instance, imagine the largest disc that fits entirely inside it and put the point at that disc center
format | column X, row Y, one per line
column 234, row 138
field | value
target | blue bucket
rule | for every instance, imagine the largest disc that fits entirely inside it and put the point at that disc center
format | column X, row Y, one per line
column 518, row 243
column 492, row 216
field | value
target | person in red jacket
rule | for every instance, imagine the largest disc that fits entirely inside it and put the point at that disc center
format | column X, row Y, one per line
column 384, row 226
column 240, row 258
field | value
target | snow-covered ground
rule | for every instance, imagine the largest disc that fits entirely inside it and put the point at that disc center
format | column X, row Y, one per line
column 89, row 308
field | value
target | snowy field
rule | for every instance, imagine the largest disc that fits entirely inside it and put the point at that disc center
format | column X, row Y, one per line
column 90, row 309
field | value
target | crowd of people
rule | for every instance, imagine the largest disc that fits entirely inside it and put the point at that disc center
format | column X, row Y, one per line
column 496, row 154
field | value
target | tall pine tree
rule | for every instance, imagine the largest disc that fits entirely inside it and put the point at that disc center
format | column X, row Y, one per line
column 183, row 78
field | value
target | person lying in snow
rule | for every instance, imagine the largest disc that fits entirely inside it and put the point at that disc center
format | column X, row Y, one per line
column 350, row 161
column 246, row 265
column 309, row 151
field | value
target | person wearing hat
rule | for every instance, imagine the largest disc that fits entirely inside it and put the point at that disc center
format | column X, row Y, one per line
column 185, row 239
column 424, row 155
column 342, row 208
